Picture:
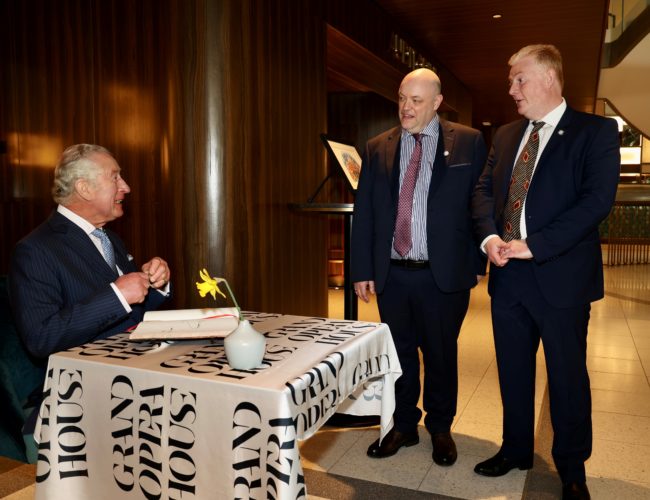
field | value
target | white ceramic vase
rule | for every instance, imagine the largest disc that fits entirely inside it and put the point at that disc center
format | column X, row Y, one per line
column 245, row 347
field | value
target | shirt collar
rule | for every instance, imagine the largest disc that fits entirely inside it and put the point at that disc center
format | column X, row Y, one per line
column 86, row 226
column 429, row 130
column 553, row 117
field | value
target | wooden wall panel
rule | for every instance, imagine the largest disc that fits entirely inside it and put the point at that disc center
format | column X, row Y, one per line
column 39, row 103
column 366, row 23
column 196, row 135
column 275, row 110
column 130, row 54
column 352, row 119
column 213, row 110
column 369, row 25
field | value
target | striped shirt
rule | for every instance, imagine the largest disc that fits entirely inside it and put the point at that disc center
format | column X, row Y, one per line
column 419, row 216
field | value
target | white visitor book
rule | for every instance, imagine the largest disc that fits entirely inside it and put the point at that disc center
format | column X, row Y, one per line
column 187, row 324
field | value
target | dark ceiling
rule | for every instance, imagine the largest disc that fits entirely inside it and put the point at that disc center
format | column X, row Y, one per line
column 462, row 36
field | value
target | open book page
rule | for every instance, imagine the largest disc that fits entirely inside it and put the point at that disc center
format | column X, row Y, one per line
column 186, row 324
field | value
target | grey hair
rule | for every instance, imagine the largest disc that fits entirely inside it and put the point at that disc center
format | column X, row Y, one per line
column 75, row 163
column 546, row 55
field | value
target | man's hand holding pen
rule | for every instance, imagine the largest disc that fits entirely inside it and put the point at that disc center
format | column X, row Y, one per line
column 135, row 286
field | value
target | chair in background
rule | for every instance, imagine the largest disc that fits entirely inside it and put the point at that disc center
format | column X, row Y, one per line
column 20, row 376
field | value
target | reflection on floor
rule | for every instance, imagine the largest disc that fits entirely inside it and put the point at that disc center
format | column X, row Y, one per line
column 336, row 466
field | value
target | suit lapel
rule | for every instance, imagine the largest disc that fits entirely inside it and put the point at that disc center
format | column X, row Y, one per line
column 449, row 137
column 78, row 242
column 391, row 162
column 510, row 147
column 446, row 139
column 559, row 133
column 444, row 148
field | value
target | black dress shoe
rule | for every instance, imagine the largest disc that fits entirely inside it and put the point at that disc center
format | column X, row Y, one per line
column 499, row 465
column 575, row 491
column 393, row 441
column 444, row 449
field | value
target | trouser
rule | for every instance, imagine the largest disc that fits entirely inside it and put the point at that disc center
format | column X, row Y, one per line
column 421, row 316
column 519, row 321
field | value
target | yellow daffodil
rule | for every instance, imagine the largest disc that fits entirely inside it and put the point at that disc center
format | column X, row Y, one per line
column 209, row 285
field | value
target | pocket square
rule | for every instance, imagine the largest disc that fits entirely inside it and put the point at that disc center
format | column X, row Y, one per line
column 456, row 165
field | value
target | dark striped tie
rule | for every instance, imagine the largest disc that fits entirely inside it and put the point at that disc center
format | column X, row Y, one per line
column 519, row 184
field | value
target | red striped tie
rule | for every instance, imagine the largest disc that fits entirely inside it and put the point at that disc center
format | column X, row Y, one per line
column 403, row 242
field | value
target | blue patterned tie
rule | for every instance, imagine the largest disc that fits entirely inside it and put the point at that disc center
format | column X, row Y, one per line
column 107, row 248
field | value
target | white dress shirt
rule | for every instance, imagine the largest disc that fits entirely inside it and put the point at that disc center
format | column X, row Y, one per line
column 550, row 123
column 88, row 228
column 429, row 137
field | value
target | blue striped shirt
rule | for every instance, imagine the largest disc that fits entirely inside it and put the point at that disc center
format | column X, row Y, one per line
column 419, row 215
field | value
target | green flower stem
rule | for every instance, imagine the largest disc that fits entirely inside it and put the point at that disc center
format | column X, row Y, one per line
column 232, row 296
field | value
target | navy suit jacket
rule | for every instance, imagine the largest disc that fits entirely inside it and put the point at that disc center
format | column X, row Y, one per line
column 572, row 191
column 454, row 258
column 60, row 288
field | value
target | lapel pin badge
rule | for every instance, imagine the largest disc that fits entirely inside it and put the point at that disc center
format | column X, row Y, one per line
column 446, row 153
column 560, row 132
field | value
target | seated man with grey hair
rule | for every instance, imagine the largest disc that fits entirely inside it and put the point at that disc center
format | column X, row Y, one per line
column 72, row 281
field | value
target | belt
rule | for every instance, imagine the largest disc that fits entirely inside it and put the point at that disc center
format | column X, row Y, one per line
column 411, row 264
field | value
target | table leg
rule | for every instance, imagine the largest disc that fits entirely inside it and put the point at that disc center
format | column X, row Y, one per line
column 350, row 298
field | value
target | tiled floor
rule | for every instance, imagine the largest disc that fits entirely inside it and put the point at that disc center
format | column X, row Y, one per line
column 16, row 480
column 619, row 366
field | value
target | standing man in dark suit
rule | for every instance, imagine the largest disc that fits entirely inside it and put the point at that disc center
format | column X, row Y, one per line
column 549, row 181
column 412, row 245
column 71, row 282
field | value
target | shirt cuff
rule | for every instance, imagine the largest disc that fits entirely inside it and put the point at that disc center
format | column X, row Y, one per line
column 126, row 305
column 484, row 242
column 164, row 291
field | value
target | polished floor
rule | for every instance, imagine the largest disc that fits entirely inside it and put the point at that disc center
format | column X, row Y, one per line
column 619, row 367
column 336, row 466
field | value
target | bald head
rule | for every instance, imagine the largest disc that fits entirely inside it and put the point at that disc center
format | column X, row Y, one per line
column 424, row 76
column 419, row 99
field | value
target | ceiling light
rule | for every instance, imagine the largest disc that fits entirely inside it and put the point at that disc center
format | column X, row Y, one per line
column 496, row 16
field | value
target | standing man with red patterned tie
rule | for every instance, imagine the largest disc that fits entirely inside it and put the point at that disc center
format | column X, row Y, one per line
column 549, row 181
column 412, row 245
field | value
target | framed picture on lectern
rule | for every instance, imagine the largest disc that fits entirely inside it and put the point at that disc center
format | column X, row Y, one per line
column 348, row 159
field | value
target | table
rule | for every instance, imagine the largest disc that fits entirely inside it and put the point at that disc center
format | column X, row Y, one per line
column 124, row 420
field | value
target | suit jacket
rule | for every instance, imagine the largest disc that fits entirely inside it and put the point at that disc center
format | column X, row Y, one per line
column 572, row 191
column 454, row 259
column 60, row 288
